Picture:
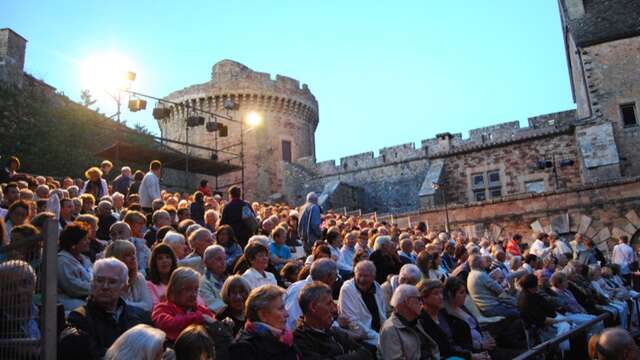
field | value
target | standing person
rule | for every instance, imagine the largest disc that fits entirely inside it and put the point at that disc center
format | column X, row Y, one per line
column 105, row 167
column 134, row 188
column 238, row 214
column 197, row 208
column 204, row 187
column 9, row 172
column 624, row 256
column 150, row 186
column 95, row 184
column 309, row 226
column 122, row 182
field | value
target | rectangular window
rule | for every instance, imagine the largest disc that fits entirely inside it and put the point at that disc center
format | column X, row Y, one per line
column 495, row 192
column 628, row 112
column 494, row 178
column 479, row 195
column 536, row 186
column 286, row 150
column 477, row 180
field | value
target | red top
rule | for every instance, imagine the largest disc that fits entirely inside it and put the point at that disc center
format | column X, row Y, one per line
column 172, row 319
column 513, row 248
column 205, row 190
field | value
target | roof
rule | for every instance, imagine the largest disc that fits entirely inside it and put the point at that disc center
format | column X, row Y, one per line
column 170, row 158
column 604, row 20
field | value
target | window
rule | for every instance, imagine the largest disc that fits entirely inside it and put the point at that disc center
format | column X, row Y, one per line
column 479, row 195
column 477, row 180
column 286, row 150
column 486, row 185
column 536, row 186
column 628, row 112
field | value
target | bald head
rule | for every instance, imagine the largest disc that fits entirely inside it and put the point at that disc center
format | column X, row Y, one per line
column 616, row 344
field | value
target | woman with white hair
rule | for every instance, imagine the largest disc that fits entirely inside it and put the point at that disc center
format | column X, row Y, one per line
column 214, row 259
column 385, row 258
column 141, row 342
column 401, row 335
column 181, row 307
column 177, row 242
column 137, row 293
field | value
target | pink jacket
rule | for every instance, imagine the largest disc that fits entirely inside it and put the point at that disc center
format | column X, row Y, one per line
column 172, row 319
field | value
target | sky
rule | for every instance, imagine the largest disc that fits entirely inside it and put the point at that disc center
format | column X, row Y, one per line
column 384, row 73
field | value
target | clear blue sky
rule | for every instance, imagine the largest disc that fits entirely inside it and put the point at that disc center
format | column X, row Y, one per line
column 384, row 73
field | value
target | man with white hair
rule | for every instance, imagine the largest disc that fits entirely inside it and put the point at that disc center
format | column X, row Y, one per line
column 488, row 295
column 362, row 303
column 309, row 224
column 385, row 258
column 409, row 274
column 121, row 182
column 323, row 270
column 401, row 336
column 215, row 261
column 92, row 328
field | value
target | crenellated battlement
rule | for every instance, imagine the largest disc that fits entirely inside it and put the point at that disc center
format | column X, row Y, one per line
column 445, row 144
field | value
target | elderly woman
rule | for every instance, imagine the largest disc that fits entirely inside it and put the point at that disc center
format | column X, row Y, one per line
column 74, row 269
column 466, row 329
column 258, row 257
column 603, row 289
column 140, row 342
column 17, row 311
column 137, row 293
column 401, row 335
column 234, row 293
column 570, row 305
column 226, row 239
column 264, row 335
column 211, row 283
column 177, row 242
column 95, row 184
column 181, row 308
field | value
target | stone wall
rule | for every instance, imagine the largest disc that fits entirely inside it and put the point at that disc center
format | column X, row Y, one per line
column 601, row 212
column 12, row 55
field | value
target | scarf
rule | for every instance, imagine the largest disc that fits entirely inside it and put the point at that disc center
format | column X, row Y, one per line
column 284, row 336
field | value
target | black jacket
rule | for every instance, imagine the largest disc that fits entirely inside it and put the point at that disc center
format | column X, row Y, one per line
column 98, row 329
column 332, row 344
column 534, row 308
column 385, row 265
column 252, row 346
column 232, row 216
column 446, row 343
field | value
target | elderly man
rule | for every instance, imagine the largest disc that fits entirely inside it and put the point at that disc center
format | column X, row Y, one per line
column 486, row 293
column 409, row 274
column 92, row 328
column 385, row 258
column 121, row 182
column 215, row 260
column 540, row 246
column 361, row 301
column 314, row 336
column 616, row 344
column 309, row 225
column 159, row 219
column 322, row 270
column 402, row 336
column 199, row 240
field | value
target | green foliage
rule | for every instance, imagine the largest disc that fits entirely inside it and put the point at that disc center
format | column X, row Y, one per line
column 55, row 136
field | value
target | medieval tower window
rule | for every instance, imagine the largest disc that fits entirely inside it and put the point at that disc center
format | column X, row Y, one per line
column 286, row 150
column 486, row 185
column 628, row 112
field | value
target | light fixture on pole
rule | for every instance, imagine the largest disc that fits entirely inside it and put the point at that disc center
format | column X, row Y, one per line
column 443, row 187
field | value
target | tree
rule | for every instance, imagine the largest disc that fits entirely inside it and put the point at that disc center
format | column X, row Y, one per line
column 86, row 97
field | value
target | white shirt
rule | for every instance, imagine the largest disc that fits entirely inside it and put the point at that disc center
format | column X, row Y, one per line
column 352, row 306
column 149, row 189
column 347, row 254
column 255, row 279
column 538, row 249
column 623, row 255
column 291, row 302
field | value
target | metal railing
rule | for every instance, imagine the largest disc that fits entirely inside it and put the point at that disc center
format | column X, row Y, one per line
column 547, row 345
column 28, row 309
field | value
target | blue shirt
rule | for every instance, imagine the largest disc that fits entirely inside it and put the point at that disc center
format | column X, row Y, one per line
column 281, row 251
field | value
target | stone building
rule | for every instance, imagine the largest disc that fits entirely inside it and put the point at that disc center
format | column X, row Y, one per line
column 572, row 171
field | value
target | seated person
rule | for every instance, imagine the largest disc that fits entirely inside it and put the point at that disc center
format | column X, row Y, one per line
column 314, row 336
column 616, row 344
column 104, row 317
column 278, row 250
column 74, row 268
column 489, row 296
column 215, row 260
column 361, row 301
column 402, row 335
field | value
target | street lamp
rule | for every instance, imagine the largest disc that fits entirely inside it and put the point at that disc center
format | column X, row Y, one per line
column 443, row 186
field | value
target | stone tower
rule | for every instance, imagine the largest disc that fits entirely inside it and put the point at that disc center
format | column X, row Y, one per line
column 289, row 119
column 12, row 53
column 602, row 41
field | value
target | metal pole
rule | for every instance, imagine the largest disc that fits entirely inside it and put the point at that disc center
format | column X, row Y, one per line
column 118, row 101
column 242, row 153
column 446, row 210
column 186, row 163
column 555, row 171
column 49, row 283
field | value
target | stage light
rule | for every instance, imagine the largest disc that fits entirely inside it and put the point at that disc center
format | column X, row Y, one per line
column 254, row 119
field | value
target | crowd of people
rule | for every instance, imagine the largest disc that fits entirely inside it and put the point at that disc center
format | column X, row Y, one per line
column 144, row 273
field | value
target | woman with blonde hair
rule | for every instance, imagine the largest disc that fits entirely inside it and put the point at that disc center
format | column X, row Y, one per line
column 137, row 292
column 95, row 184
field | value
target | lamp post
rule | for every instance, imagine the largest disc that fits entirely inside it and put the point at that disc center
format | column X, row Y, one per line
column 130, row 77
column 443, row 186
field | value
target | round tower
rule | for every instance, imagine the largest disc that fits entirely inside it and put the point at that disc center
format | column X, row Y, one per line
column 289, row 116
